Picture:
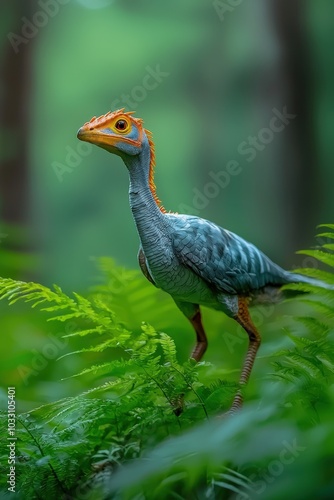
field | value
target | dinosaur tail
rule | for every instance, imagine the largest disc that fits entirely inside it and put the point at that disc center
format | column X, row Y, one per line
column 273, row 294
column 299, row 278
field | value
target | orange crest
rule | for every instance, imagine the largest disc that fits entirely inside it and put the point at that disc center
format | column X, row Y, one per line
column 105, row 120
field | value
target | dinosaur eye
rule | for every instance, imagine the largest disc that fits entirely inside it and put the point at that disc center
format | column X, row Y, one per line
column 121, row 125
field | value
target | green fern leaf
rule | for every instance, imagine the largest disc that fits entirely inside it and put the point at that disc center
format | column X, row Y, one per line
column 320, row 255
column 326, row 235
column 168, row 348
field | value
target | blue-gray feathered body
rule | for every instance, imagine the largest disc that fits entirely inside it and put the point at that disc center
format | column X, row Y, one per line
column 199, row 262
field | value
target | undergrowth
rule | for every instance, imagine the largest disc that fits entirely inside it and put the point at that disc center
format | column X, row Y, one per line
column 122, row 437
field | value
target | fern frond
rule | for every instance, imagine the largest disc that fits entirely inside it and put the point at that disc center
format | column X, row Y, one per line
column 324, row 257
column 14, row 291
column 320, row 307
column 330, row 226
column 168, row 348
column 309, row 289
column 83, row 439
column 319, row 274
column 314, row 325
column 326, row 235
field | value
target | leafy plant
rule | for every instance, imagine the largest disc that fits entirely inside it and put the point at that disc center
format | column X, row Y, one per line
column 124, row 437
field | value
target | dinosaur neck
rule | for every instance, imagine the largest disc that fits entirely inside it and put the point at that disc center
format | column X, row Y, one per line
column 145, row 206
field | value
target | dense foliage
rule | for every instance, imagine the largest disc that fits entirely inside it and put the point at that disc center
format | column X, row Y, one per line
column 122, row 438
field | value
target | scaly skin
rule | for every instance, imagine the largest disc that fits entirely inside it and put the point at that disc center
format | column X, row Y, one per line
column 192, row 259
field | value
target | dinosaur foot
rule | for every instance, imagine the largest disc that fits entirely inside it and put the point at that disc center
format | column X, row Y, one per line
column 235, row 407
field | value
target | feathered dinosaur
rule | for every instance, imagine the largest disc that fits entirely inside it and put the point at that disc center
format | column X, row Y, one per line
column 192, row 259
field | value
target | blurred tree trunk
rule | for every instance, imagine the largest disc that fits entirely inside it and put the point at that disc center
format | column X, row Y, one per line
column 14, row 119
column 284, row 81
column 299, row 180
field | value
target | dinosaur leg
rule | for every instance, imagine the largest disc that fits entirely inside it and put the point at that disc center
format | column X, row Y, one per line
column 244, row 319
column 193, row 313
column 202, row 341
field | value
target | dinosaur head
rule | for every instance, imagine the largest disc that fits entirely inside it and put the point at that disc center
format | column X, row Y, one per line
column 118, row 132
column 124, row 135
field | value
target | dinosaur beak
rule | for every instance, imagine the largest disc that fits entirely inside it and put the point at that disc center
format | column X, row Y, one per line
column 95, row 136
column 83, row 134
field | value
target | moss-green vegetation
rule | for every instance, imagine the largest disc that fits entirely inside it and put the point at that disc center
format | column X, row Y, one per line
column 121, row 438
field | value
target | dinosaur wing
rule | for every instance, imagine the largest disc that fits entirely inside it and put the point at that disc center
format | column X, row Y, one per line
column 143, row 266
column 222, row 259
